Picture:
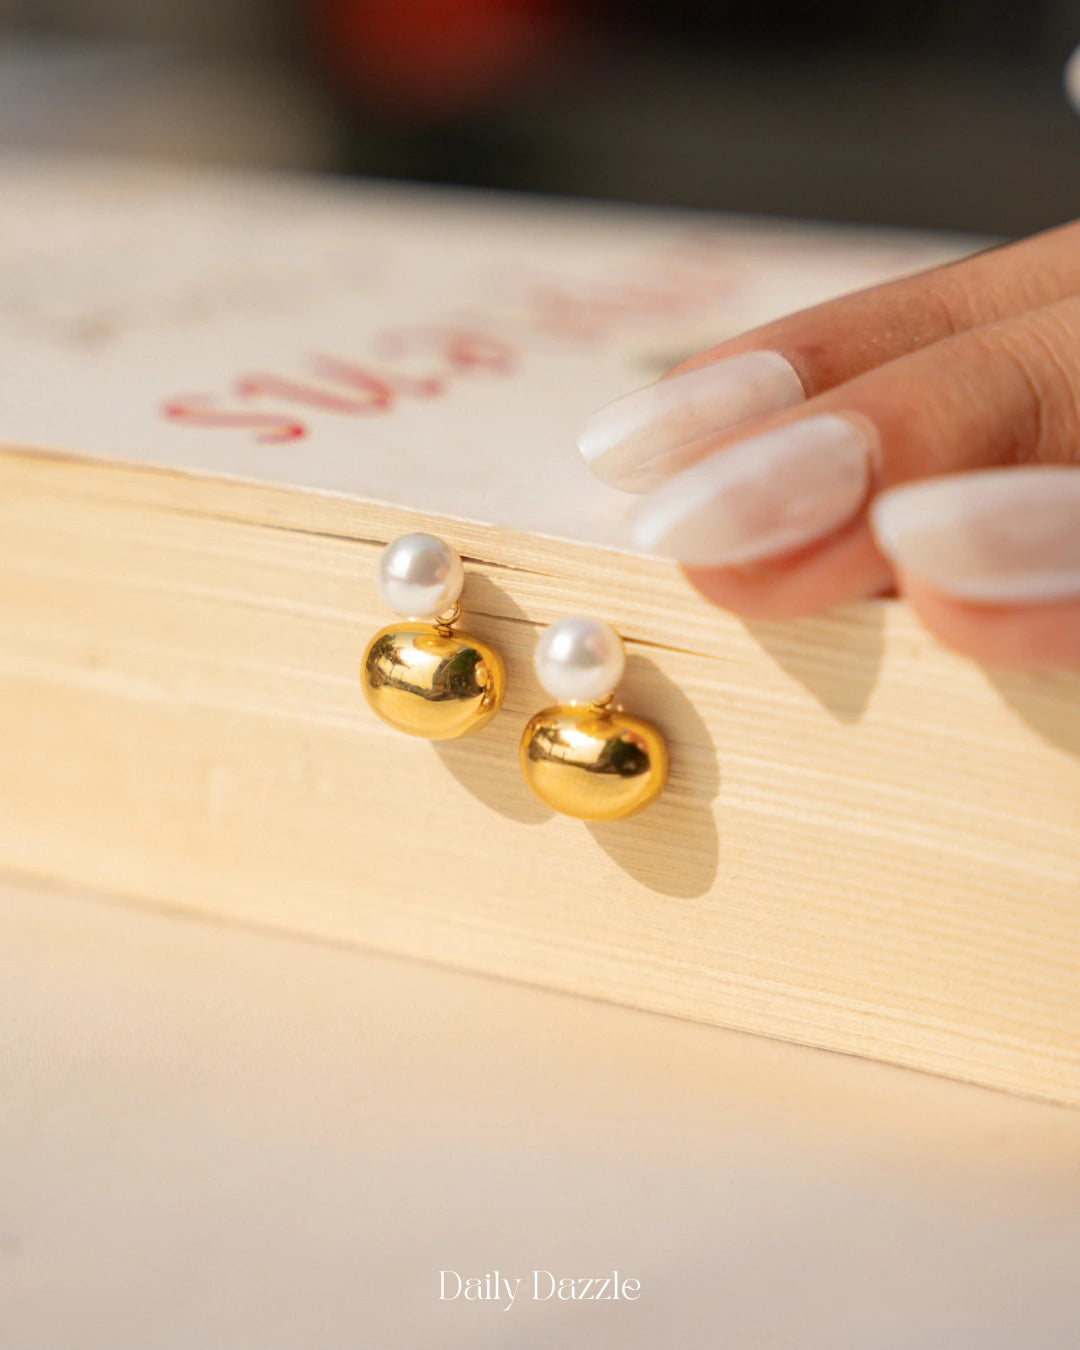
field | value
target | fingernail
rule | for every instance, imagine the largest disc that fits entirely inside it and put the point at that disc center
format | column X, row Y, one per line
column 762, row 497
column 643, row 438
column 1000, row 536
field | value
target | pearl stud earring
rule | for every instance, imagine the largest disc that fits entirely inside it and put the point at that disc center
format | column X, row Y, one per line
column 586, row 757
column 422, row 677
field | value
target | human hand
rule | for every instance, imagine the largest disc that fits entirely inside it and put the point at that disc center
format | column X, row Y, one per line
column 920, row 437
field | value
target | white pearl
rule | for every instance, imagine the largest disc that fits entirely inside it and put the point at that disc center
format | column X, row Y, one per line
column 420, row 576
column 579, row 659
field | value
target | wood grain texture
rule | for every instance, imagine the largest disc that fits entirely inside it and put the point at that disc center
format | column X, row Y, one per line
column 868, row 844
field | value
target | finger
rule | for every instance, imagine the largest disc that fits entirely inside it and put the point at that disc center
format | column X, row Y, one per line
column 645, row 437
column 775, row 525
column 991, row 561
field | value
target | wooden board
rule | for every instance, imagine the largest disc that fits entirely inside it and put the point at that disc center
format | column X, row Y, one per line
column 868, row 844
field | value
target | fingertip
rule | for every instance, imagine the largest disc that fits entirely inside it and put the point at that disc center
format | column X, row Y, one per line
column 646, row 437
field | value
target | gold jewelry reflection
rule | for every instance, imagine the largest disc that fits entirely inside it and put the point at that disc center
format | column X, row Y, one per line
column 595, row 763
column 428, row 681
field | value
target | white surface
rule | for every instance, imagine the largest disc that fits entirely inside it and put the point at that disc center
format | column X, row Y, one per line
column 479, row 331
column 217, row 1137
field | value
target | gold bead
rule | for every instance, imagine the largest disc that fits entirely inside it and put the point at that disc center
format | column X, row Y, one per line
column 592, row 762
column 428, row 681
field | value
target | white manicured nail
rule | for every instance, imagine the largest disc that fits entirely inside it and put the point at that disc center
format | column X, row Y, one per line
column 643, row 438
column 1000, row 536
column 762, row 497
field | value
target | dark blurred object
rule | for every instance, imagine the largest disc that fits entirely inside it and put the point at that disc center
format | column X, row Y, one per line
column 777, row 25
column 943, row 113
column 436, row 57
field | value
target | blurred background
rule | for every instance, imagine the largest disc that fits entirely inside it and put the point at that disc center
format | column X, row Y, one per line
column 941, row 113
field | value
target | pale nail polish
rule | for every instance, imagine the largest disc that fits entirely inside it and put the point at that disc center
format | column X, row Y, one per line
column 761, row 497
column 643, row 438
column 999, row 536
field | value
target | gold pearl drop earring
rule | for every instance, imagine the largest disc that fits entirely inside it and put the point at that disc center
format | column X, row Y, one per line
column 422, row 677
column 586, row 757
